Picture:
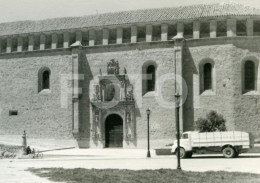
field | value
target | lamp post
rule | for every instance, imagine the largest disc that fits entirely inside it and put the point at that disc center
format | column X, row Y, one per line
column 177, row 101
column 148, row 138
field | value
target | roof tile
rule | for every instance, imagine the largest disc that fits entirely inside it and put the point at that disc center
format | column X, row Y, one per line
column 128, row 17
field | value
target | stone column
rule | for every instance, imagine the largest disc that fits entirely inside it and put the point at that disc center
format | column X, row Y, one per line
column 31, row 43
column 54, row 41
column 105, row 36
column 133, row 34
column 196, row 30
column 76, row 76
column 66, row 40
column 9, row 45
column 250, row 27
column 119, row 35
column 213, row 29
column 180, row 28
column 79, row 36
column 149, row 32
column 42, row 41
column 92, row 37
column 178, row 65
column 164, row 32
column 20, row 44
column 231, row 28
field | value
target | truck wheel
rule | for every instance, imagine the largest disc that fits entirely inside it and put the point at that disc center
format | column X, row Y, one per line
column 182, row 153
column 229, row 152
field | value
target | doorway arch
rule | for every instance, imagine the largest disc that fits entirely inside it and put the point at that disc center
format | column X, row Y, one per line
column 114, row 131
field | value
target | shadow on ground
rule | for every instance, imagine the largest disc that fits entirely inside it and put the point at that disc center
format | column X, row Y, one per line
column 81, row 175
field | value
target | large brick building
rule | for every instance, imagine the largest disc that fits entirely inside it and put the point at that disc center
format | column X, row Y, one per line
column 88, row 81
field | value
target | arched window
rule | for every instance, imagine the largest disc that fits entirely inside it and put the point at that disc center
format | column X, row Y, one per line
column 249, row 75
column 207, row 77
column 207, row 73
column 151, row 78
column 44, row 79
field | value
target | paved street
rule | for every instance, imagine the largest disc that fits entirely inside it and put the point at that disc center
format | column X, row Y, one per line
column 13, row 170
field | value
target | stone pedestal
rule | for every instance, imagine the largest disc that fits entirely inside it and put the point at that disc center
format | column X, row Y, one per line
column 54, row 41
column 180, row 29
column 133, row 34
column 149, row 31
column 196, row 30
column 119, row 35
column 164, row 32
column 105, row 36
column 92, row 37
column 42, row 42
column 250, row 27
column 213, row 29
column 231, row 28
column 31, row 43
column 66, row 40
column 20, row 44
column 9, row 45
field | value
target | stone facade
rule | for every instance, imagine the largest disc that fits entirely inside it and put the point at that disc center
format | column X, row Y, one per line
column 74, row 109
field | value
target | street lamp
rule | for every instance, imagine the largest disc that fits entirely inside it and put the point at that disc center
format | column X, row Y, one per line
column 148, row 112
column 177, row 102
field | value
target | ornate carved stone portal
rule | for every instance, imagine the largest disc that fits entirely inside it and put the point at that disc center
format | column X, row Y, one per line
column 113, row 94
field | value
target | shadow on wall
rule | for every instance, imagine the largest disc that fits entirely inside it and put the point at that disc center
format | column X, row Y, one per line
column 84, row 113
column 189, row 71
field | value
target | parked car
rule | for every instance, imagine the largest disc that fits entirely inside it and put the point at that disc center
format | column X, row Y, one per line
column 230, row 143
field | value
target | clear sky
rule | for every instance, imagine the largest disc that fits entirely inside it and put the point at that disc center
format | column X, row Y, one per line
column 14, row 10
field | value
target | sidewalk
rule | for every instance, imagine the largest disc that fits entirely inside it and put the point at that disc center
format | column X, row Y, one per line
column 99, row 153
column 15, row 170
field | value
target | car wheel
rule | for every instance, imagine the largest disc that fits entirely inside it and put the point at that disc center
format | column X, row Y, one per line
column 229, row 152
column 182, row 153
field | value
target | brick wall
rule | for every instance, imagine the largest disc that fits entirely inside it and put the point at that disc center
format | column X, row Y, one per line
column 40, row 114
column 240, row 110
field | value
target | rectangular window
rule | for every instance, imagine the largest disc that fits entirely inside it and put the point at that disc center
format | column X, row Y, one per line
column 48, row 41
column 249, row 72
column 126, row 35
column 241, row 28
column 172, row 31
column 221, row 29
column 13, row 113
column 156, row 33
column 188, row 30
column 25, row 44
column 3, row 45
column 204, row 29
column 14, row 44
column 85, row 38
column 256, row 27
column 60, row 41
column 185, row 136
column 36, row 42
column 112, row 36
column 99, row 37
column 141, row 34
column 72, row 38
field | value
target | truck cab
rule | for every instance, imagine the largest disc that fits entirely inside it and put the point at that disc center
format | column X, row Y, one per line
column 185, row 144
